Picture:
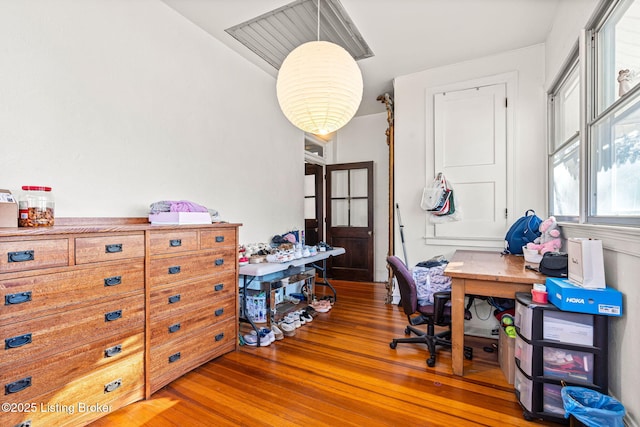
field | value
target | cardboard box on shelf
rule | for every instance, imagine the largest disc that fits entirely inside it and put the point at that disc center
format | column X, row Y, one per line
column 506, row 357
column 8, row 209
column 569, row 297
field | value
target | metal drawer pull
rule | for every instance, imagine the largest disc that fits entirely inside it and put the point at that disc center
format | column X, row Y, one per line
column 112, row 351
column 111, row 249
column 174, row 270
column 219, row 261
column 219, row 312
column 113, row 385
column 174, row 328
column 175, row 242
column 219, row 239
column 112, row 281
column 17, row 386
column 218, row 287
column 12, row 299
column 174, row 299
column 219, row 336
column 112, row 315
column 18, row 341
column 21, row 256
column 174, row 357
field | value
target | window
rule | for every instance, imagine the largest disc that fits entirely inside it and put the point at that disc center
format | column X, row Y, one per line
column 564, row 158
column 603, row 145
column 614, row 144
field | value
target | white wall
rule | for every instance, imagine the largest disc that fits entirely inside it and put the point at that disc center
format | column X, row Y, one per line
column 363, row 139
column 621, row 247
column 414, row 151
column 117, row 104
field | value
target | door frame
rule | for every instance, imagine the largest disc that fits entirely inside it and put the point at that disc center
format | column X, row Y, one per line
column 318, row 171
column 369, row 165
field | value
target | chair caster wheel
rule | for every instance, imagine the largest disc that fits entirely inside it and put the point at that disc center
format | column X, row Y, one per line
column 407, row 331
column 431, row 362
column 393, row 344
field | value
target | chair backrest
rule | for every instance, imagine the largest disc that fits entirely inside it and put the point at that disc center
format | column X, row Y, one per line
column 406, row 285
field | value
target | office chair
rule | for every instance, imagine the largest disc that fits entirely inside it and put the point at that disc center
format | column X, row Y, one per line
column 434, row 314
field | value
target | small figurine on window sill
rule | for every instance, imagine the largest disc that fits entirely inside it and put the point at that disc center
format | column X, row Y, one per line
column 624, row 79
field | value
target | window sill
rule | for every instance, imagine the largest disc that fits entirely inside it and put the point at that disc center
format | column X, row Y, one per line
column 618, row 239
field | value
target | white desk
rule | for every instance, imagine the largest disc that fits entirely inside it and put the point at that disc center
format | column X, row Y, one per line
column 272, row 271
column 265, row 268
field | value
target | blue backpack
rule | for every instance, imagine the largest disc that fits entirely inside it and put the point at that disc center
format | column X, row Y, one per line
column 523, row 231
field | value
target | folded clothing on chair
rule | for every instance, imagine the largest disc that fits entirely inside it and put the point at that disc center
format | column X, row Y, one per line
column 429, row 277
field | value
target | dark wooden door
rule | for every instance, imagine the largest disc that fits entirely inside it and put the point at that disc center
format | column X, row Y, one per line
column 313, row 204
column 350, row 220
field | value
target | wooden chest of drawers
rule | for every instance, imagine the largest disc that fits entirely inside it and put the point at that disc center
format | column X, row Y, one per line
column 94, row 317
column 193, row 302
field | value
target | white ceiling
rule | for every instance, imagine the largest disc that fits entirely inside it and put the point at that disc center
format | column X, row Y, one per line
column 406, row 36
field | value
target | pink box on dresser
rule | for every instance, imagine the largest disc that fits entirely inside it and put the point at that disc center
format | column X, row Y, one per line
column 178, row 218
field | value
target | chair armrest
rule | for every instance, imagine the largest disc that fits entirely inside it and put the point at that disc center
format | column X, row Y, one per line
column 440, row 299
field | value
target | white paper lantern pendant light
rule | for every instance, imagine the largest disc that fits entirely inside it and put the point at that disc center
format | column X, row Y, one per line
column 319, row 86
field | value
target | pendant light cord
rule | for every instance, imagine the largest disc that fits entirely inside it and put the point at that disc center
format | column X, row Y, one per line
column 318, row 20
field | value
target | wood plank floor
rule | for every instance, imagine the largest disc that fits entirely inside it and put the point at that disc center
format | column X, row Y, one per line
column 337, row 370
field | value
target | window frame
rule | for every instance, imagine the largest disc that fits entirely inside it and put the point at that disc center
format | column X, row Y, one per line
column 588, row 57
column 573, row 64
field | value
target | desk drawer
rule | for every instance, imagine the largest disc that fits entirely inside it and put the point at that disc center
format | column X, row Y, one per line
column 25, row 297
column 33, row 254
column 109, row 248
column 174, row 269
column 37, row 377
column 44, row 336
column 167, row 242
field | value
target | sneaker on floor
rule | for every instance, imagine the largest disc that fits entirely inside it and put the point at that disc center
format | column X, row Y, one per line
column 266, row 337
column 306, row 316
column 279, row 335
column 250, row 340
column 288, row 328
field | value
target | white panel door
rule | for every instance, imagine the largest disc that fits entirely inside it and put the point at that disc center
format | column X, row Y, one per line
column 470, row 140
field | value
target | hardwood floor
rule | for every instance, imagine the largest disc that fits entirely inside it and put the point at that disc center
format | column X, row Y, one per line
column 337, row 370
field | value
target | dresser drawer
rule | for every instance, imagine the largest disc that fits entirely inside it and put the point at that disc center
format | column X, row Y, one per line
column 167, row 299
column 22, row 383
column 175, row 358
column 87, row 398
column 108, row 248
column 167, row 242
column 33, row 254
column 44, row 336
column 190, row 320
column 24, row 298
column 175, row 269
column 223, row 237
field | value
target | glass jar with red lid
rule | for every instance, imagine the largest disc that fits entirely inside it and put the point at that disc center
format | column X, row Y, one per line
column 36, row 207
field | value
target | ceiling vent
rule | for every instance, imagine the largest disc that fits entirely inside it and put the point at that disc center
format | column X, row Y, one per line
column 273, row 35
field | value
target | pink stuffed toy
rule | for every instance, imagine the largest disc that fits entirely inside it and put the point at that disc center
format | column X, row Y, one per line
column 550, row 240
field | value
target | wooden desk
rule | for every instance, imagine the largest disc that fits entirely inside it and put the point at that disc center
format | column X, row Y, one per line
column 487, row 274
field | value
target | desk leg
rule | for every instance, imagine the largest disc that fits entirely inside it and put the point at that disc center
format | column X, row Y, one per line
column 457, row 326
column 325, row 282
